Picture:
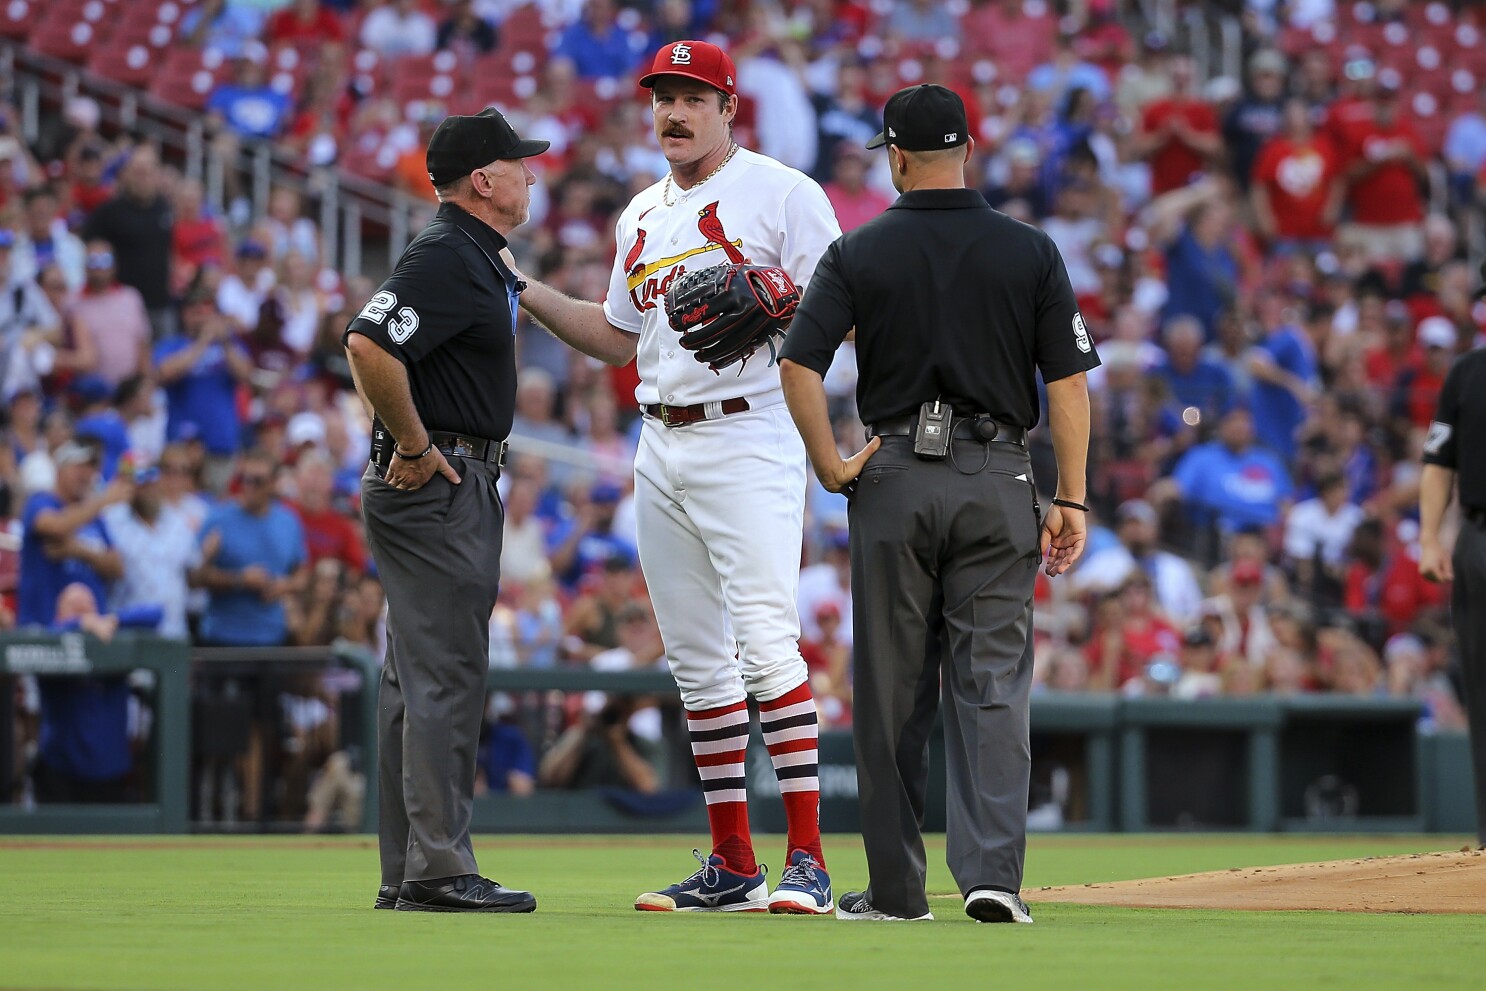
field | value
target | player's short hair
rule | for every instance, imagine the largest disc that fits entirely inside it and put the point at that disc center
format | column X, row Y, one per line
column 936, row 156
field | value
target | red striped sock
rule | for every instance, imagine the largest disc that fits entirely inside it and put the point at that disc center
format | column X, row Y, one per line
column 791, row 732
column 719, row 742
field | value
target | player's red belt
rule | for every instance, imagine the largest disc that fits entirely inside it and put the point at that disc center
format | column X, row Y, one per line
column 680, row 416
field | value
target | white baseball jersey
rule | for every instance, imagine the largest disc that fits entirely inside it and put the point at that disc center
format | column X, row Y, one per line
column 754, row 210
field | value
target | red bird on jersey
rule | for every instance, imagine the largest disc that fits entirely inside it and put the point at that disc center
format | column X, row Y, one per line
column 711, row 229
column 631, row 260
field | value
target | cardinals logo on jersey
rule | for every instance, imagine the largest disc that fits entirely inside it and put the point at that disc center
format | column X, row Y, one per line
column 711, row 227
column 648, row 282
column 632, row 260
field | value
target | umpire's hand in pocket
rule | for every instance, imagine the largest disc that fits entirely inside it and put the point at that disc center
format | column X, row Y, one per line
column 411, row 475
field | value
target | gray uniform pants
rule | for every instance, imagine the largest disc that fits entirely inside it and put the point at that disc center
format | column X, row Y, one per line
column 438, row 554
column 942, row 569
column 1468, row 606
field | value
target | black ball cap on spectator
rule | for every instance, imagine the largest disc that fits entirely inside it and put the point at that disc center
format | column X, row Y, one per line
column 462, row 144
column 923, row 118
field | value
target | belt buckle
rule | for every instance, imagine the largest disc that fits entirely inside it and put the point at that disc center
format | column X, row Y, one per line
column 665, row 414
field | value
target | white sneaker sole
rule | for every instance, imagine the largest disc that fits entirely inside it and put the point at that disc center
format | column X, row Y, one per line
column 796, row 903
column 651, row 901
column 995, row 906
column 875, row 916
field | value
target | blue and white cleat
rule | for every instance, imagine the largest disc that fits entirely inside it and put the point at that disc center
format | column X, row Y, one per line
column 714, row 888
column 803, row 889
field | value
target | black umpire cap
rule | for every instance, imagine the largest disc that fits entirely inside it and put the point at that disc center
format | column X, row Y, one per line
column 923, row 118
column 462, row 144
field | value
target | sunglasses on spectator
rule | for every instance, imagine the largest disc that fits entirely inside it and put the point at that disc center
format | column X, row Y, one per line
column 101, row 260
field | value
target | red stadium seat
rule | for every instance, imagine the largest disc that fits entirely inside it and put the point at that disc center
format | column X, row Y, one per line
column 69, row 39
column 132, row 65
column 187, row 76
column 18, row 18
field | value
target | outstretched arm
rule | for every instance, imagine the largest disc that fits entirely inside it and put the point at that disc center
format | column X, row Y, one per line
column 578, row 323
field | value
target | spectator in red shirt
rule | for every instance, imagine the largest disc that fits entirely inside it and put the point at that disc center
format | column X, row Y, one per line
column 1418, row 390
column 327, row 533
column 304, row 22
column 1352, row 110
column 199, row 240
column 1178, row 134
column 828, row 658
column 1129, row 630
column 853, row 200
column 1385, row 163
column 1294, row 193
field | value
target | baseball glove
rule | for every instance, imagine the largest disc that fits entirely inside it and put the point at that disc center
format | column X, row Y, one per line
column 727, row 312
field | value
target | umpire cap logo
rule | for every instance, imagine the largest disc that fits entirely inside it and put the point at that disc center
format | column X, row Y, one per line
column 681, row 55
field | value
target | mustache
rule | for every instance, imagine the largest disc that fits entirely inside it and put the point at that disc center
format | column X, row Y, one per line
column 677, row 132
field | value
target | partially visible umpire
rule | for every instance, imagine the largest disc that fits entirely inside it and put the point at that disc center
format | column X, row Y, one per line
column 433, row 356
column 1455, row 451
column 956, row 309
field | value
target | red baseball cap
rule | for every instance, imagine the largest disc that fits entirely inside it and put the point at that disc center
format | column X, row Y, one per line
column 1247, row 572
column 699, row 60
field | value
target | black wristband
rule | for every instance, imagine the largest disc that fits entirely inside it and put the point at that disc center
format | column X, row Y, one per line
column 413, row 457
column 1067, row 504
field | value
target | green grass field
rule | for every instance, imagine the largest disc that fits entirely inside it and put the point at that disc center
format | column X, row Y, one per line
column 200, row 913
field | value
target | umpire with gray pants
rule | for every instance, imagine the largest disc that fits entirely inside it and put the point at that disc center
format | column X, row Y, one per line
column 956, row 308
column 433, row 356
column 1455, row 449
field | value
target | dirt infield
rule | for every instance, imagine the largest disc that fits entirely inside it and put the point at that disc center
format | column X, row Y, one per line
column 1452, row 882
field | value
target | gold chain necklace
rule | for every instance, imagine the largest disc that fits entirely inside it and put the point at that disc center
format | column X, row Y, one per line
column 665, row 193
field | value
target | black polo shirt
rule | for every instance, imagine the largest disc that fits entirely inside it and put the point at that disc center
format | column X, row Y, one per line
column 950, row 300
column 1457, row 437
column 448, row 312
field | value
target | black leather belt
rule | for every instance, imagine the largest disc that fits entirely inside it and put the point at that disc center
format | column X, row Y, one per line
column 454, row 446
column 1476, row 516
column 680, row 416
column 904, row 426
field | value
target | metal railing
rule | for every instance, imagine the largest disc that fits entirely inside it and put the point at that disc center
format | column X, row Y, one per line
column 351, row 210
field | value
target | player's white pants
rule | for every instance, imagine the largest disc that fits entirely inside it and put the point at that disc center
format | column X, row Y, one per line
column 720, row 509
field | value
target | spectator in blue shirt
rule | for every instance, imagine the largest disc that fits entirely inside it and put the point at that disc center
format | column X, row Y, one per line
column 598, row 46
column 1286, row 377
column 1195, row 226
column 200, row 371
column 64, row 540
column 1194, row 381
column 507, row 762
column 253, row 554
column 585, row 543
column 99, row 421
column 1230, row 480
column 83, row 751
column 248, row 106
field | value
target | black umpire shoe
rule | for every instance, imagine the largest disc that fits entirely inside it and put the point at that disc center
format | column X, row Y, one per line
column 465, row 893
column 386, row 896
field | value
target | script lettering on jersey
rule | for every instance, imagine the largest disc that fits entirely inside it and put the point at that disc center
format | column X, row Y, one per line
column 646, row 282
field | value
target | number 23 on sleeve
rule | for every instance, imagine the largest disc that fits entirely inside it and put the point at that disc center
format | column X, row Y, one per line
column 400, row 329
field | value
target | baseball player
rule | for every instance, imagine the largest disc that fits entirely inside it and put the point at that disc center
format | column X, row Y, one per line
column 720, row 470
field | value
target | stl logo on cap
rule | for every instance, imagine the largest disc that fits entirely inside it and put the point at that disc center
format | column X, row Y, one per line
column 681, row 55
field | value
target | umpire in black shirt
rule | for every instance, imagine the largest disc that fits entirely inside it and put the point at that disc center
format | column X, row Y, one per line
column 956, row 308
column 433, row 356
column 1455, row 449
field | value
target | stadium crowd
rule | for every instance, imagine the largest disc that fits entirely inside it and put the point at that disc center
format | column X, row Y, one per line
column 1274, row 268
